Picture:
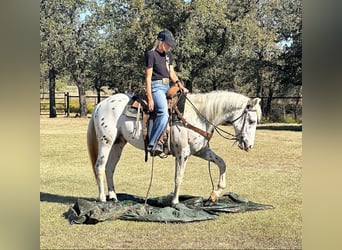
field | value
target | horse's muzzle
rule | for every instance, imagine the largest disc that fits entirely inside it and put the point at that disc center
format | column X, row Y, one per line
column 244, row 146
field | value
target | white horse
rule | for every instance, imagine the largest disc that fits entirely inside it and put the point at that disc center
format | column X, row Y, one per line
column 110, row 129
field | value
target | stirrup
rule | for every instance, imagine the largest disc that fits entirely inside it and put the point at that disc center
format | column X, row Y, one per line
column 157, row 150
column 163, row 155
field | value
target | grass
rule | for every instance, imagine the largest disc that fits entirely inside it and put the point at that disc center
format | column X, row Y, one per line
column 271, row 173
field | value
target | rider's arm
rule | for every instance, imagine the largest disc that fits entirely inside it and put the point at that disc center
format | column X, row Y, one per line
column 148, row 77
column 175, row 79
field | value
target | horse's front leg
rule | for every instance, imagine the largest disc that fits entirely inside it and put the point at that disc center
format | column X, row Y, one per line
column 209, row 155
column 180, row 164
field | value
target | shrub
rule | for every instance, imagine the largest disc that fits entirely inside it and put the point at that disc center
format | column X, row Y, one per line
column 75, row 107
column 284, row 114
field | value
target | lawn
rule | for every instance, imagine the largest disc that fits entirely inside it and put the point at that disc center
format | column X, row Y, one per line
column 271, row 174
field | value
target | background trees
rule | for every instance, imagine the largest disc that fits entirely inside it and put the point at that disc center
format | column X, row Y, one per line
column 248, row 46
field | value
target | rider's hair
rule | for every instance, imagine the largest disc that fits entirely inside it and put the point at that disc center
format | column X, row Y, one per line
column 156, row 44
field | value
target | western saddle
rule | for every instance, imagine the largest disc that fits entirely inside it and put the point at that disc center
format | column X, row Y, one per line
column 137, row 108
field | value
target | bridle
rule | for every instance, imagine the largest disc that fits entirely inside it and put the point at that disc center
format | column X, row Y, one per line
column 220, row 131
column 244, row 116
column 224, row 134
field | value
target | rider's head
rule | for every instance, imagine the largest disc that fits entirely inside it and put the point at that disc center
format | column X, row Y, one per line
column 165, row 41
column 167, row 37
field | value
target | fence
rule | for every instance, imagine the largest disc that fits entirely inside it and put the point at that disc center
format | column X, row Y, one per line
column 65, row 103
column 60, row 101
column 280, row 109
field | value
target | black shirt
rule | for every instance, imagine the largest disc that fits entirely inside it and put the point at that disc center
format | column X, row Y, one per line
column 159, row 62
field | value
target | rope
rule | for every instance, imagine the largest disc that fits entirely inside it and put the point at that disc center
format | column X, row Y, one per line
column 152, row 169
column 150, row 185
column 217, row 129
column 210, row 175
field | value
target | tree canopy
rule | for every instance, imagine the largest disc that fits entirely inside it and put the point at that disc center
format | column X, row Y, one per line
column 249, row 46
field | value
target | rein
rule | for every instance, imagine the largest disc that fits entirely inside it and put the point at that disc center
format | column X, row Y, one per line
column 188, row 125
column 220, row 131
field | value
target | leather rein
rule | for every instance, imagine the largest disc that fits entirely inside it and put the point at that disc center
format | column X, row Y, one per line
column 220, row 131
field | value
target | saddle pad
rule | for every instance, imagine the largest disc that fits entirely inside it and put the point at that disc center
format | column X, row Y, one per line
column 131, row 111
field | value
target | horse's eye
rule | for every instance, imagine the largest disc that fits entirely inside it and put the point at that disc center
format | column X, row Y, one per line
column 251, row 121
column 249, row 106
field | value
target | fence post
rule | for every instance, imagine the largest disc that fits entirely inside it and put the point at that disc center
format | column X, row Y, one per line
column 67, row 107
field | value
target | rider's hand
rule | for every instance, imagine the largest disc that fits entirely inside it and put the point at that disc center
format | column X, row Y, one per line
column 184, row 90
column 150, row 104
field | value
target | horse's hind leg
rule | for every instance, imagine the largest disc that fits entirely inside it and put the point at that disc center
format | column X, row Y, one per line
column 209, row 155
column 100, row 168
column 114, row 157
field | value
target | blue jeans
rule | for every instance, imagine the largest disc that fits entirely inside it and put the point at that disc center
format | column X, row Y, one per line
column 160, row 108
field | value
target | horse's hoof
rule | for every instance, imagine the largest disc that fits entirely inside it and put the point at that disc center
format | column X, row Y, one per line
column 102, row 198
column 113, row 200
column 213, row 197
column 174, row 203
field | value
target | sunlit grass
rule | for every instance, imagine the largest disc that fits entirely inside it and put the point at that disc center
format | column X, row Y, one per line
column 271, row 173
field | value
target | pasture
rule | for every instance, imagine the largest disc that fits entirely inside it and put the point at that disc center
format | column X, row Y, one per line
column 271, row 173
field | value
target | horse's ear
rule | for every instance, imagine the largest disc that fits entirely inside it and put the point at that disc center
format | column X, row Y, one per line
column 255, row 101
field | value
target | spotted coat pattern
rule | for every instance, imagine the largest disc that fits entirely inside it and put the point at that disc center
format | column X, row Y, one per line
column 109, row 130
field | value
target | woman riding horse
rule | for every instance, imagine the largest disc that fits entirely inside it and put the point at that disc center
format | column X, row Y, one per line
column 159, row 71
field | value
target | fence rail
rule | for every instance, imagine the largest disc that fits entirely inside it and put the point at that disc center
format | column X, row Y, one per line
column 65, row 103
column 280, row 109
column 60, row 102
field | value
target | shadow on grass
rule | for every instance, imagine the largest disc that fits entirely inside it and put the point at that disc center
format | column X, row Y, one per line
column 56, row 198
column 281, row 127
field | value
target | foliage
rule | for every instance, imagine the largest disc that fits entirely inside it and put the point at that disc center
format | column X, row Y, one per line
column 74, row 107
column 60, row 85
column 251, row 47
column 284, row 114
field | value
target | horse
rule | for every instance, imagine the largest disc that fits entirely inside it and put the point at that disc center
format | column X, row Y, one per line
column 109, row 130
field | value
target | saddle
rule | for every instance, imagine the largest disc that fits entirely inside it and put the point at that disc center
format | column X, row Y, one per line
column 137, row 108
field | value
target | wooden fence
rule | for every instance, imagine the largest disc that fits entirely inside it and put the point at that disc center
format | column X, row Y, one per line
column 64, row 102
column 283, row 109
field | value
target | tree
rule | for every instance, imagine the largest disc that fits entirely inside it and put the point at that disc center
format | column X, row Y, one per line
column 248, row 46
column 75, row 40
column 290, row 33
column 66, row 40
column 50, row 59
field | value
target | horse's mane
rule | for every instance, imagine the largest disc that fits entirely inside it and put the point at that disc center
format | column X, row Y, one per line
column 215, row 103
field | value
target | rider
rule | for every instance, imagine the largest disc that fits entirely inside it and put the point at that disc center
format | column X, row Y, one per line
column 159, row 71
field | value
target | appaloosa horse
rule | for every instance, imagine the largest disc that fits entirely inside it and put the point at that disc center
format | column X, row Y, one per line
column 110, row 129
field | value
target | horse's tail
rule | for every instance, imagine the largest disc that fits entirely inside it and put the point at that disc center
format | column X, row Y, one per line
column 92, row 144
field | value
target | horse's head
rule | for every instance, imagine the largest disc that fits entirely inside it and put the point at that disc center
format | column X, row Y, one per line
column 245, row 124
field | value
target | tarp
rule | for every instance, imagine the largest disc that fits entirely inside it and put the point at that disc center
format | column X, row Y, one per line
column 159, row 209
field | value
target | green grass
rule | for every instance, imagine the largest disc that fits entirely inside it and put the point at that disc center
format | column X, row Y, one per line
column 271, row 173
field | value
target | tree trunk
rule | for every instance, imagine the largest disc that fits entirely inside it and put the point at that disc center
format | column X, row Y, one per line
column 98, row 93
column 269, row 102
column 297, row 104
column 82, row 100
column 52, row 87
column 259, row 84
